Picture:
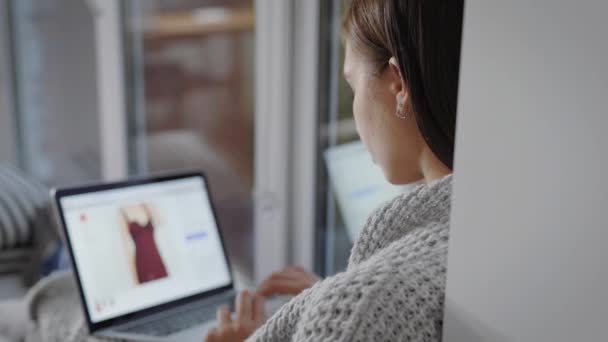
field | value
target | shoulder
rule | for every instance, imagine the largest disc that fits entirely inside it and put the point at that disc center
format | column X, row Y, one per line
column 394, row 295
column 379, row 300
column 425, row 205
column 383, row 226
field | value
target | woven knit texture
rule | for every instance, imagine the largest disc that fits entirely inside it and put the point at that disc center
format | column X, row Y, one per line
column 393, row 288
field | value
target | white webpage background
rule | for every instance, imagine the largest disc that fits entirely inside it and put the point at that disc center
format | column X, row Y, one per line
column 193, row 265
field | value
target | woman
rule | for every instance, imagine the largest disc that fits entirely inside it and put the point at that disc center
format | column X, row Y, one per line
column 402, row 60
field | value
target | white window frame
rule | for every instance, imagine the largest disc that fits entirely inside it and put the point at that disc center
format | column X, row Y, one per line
column 287, row 49
column 305, row 128
column 111, row 88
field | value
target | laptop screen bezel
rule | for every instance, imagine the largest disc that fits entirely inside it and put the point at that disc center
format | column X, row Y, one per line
column 58, row 194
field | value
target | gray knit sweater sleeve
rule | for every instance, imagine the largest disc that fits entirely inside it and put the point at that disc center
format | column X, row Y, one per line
column 393, row 288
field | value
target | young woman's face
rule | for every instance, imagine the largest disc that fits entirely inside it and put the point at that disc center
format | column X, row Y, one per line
column 394, row 143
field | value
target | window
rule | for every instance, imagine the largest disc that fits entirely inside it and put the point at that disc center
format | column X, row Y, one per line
column 190, row 101
column 181, row 96
column 55, row 90
column 180, row 91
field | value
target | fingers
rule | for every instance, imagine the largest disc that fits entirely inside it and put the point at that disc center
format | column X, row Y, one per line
column 250, row 314
column 259, row 311
column 291, row 280
column 223, row 315
column 244, row 306
column 295, row 270
column 291, row 272
column 269, row 286
column 212, row 335
column 294, row 273
column 279, row 286
column 300, row 274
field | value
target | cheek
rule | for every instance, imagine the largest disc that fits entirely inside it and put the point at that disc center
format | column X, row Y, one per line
column 370, row 107
column 379, row 128
column 368, row 119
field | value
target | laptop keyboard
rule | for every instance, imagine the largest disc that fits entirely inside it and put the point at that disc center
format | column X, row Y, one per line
column 168, row 325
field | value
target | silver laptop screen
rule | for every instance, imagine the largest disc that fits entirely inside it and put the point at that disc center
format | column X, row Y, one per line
column 142, row 246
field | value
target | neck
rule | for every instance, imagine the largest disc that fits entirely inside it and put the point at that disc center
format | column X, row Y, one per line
column 432, row 168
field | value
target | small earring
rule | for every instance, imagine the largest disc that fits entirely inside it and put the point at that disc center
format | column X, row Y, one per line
column 399, row 111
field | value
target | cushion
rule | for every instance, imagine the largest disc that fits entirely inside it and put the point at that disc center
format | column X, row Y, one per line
column 29, row 239
column 21, row 199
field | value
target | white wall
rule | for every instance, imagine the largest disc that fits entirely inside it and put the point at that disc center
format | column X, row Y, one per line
column 528, row 259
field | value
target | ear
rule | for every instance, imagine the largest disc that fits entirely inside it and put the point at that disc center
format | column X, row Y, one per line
column 397, row 83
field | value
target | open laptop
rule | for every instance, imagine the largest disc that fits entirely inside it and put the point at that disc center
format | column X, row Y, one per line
column 148, row 257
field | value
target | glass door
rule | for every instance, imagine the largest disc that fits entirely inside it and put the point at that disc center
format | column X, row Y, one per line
column 189, row 90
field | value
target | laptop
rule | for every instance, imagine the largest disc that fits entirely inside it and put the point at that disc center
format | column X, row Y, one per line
column 148, row 257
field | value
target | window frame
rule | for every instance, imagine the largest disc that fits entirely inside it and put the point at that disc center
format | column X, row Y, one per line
column 287, row 69
column 328, row 113
column 111, row 89
column 9, row 133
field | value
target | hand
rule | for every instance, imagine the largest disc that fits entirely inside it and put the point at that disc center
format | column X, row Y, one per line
column 291, row 281
column 249, row 316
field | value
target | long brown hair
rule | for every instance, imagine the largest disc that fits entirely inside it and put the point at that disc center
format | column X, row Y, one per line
column 424, row 36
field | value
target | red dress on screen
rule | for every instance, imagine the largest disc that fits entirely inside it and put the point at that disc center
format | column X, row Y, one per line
column 148, row 262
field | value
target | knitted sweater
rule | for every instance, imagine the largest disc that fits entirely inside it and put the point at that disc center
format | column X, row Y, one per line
column 393, row 287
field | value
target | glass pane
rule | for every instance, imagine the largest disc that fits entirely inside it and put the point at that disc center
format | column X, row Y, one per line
column 346, row 198
column 7, row 120
column 55, row 71
column 190, row 67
